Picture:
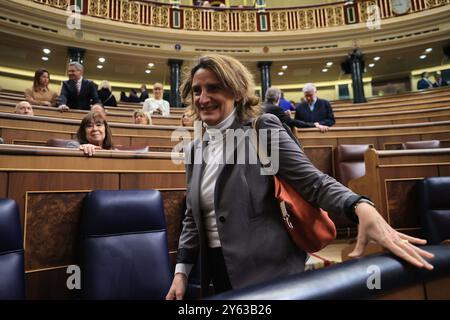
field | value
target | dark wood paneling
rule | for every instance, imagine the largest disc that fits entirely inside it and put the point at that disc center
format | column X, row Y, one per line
column 174, row 208
column 3, row 184
column 152, row 180
column 402, row 212
column 21, row 182
column 321, row 157
column 50, row 284
column 51, row 229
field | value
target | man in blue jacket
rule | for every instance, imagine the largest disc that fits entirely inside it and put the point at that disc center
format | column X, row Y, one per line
column 315, row 110
column 77, row 92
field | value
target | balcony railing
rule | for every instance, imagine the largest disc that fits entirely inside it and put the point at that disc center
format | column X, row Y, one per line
column 240, row 20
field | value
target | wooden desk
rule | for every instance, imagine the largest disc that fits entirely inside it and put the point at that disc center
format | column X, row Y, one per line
column 49, row 184
column 390, row 181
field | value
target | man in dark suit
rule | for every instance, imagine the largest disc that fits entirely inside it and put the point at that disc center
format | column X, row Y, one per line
column 439, row 81
column 424, row 82
column 315, row 110
column 144, row 93
column 77, row 93
column 271, row 105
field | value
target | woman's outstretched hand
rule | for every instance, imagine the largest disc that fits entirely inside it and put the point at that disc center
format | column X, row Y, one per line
column 372, row 227
column 178, row 287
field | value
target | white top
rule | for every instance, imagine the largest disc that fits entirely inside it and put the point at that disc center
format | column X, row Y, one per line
column 151, row 105
column 213, row 158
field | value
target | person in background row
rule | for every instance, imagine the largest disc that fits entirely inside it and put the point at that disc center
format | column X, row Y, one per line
column 157, row 105
column 99, row 108
column 77, row 92
column 94, row 134
column 317, row 112
column 424, row 82
column 271, row 105
column 105, row 94
column 39, row 93
column 187, row 119
column 144, row 93
column 133, row 97
column 232, row 224
column 284, row 104
column 140, row 117
column 24, row 107
column 439, row 81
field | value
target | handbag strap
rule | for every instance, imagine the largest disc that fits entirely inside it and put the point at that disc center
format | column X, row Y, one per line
column 260, row 152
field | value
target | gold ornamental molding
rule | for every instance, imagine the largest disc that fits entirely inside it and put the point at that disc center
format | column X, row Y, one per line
column 173, row 16
column 164, row 30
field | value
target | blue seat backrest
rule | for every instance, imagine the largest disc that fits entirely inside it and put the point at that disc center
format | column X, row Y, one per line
column 434, row 206
column 124, row 250
column 12, row 268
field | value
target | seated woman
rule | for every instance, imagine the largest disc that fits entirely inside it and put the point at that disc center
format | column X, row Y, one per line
column 94, row 134
column 187, row 119
column 105, row 94
column 40, row 94
column 141, row 117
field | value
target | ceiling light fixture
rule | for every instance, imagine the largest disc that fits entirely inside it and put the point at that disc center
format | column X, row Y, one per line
column 99, row 66
column 329, row 64
column 148, row 71
column 376, row 58
column 324, row 70
column 151, row 65
column 284, row 67
column 280, row 73
column 371, row 65
column 45, row 58
column 101, row 60
column 423, row 56
column 428, row 50
column 46, row 51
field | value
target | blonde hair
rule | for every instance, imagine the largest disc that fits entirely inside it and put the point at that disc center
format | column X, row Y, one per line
column 142, row 113
column 158, row 85
column 233, row 76
column 104, row 85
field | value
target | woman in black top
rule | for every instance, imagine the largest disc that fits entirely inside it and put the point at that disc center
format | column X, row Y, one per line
column 105, row 94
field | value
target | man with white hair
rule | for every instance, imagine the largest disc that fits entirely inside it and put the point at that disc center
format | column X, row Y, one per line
column 77, row 92
column 315, row 110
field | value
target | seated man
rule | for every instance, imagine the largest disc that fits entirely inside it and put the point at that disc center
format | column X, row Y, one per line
column 424, row 82
column 24, row 107
column 271, row 105
column 77, row 93
column 315, row 110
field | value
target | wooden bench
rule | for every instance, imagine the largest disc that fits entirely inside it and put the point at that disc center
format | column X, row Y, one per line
column 49, row 185
column 390, row 181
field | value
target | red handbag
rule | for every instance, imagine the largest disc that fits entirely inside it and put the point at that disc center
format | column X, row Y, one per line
column 310, row 227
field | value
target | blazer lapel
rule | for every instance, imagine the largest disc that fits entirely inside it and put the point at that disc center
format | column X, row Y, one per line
column 228, row 160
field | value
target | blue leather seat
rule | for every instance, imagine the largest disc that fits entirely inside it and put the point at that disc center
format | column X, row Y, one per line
column 348, row 280
column 124, row 250
column 12, row 268
column 434, row 208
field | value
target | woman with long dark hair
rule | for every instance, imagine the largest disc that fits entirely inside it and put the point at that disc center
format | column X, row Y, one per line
column 40, row 94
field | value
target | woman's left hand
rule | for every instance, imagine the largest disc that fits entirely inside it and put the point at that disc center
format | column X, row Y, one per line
column 373, row 227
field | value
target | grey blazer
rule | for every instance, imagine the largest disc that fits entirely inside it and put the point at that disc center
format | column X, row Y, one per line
column 255, row 245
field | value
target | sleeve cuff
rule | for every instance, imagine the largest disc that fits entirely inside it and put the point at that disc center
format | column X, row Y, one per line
column 350, row 206
column 184, row 268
